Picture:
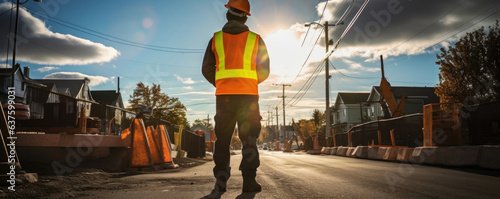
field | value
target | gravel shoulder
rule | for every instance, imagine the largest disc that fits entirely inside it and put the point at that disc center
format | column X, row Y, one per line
column 83, row 179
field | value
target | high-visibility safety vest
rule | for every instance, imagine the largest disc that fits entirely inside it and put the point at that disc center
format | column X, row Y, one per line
column 236, row 57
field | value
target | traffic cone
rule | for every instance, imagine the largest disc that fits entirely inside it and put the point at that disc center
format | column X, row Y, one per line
column 277, row 147
column 316, row 150
column 288, row 146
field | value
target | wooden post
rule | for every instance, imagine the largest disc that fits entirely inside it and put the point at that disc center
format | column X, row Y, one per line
column 334, row 139
column 379, row 138
column 349, row 139
column 393, row 142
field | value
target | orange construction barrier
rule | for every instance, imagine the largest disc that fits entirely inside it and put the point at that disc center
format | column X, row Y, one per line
column 277, row 147
column 164, row 144
column 141, row 154
column 288, row 146
column 316, row 143
column 153, row 144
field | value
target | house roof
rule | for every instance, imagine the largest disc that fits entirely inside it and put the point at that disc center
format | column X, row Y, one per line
column 426, row 93
column 74, row 85
column 200, row 127
column 109, row 97
column 7, row 72
column 353, row 98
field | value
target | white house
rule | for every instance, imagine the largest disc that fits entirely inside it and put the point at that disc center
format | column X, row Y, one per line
column 348, row 110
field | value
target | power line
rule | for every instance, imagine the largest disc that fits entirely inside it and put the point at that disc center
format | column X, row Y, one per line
column 8, row 38
column 120, row 40
column 314, row 75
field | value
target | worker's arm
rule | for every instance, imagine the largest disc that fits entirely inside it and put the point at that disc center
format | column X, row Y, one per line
column 262, row 66
column 209, row 64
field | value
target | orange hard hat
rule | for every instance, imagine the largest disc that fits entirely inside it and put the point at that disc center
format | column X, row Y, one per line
column 242, row 5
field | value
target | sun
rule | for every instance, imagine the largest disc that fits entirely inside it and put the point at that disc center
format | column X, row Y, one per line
column 286, row 54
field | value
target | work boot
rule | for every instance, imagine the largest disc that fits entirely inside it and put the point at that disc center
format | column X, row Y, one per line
column 221, row 178
column 249, row 183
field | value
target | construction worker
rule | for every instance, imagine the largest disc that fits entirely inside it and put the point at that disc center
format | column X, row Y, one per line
column 235, row 62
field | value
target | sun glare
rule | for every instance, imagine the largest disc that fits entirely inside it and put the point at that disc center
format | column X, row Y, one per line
column 286, row 54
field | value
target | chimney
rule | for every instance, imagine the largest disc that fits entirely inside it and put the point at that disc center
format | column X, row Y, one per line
column 118, row 90
column 26, row 71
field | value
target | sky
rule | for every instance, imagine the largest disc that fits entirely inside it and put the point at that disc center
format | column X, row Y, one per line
column 163, row 42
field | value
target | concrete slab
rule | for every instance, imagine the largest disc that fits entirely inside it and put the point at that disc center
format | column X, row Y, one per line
column 323, row 150
column 334, row 151
column 458, row 155
column 342, row 151
column 490, row 157
column 328, row 150
column 424, row 155
column 381, row 153
column 372, row 153
column 361, row 152
column 350, row 151
column 404, row 154
column 390, row 153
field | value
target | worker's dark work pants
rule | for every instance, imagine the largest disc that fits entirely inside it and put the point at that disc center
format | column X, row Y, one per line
column 244, row 110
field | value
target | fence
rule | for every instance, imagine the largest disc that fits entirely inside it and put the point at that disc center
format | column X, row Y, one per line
column 484, row 124
column 407, row 131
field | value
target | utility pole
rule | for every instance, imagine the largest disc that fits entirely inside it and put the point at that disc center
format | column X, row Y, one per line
column 277, row 127
column 208, row 120
column 284, row 115
column 327, row 76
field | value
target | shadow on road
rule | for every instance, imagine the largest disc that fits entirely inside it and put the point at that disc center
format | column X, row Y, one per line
column 241, row 196
column 246, row 195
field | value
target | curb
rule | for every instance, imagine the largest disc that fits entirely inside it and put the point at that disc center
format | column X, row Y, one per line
column 350, row 151
column 404, row 154
column 490, row 157
column 342, row 151
column 361, row 152
column 484, row 156
column 372, row 153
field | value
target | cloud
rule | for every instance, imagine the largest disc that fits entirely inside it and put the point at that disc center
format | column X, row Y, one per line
column 357, row 67
column 393, row 27
column 187, row 88
column 47, row 69
column 94, row 80
column 38, row 44
column 385, row 27
column 185, row 80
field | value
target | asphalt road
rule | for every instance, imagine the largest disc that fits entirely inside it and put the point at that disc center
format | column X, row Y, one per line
column 299, row 175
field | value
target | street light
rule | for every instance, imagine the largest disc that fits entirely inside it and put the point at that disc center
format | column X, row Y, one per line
column 327, row 73
column 15, row 40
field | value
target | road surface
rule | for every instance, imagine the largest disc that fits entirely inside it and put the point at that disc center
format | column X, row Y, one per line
column 300, row 175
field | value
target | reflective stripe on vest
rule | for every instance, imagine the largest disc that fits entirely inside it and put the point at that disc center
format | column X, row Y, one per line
column 246, row 71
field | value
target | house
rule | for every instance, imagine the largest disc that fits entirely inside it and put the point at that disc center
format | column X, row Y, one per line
column 348, row 110
column 75, row 88
column 354, row 108
column 110, row 117
column 21, row 84
column 202, row 128
column 417, row 97
column 61, row 102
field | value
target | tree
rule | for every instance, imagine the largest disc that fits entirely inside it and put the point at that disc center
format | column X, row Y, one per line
column 203, row 122
column 318, row 118
column 164, row 107
column 470, row 71
column 307, row 127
